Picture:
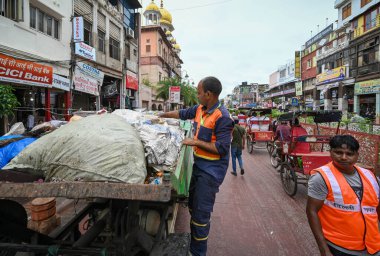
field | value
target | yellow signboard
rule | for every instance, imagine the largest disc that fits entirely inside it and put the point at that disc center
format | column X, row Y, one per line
column 367, row 87
column 335, row 74
column 297, row 65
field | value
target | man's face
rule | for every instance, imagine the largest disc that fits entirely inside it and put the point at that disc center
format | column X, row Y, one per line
column 203, row 97
column 344, row 158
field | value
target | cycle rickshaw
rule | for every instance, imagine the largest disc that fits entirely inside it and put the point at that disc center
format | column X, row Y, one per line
column 259, row 122
column 297, row 164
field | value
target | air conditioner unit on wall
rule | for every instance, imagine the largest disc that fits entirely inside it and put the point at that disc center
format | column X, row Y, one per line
column 130, row 33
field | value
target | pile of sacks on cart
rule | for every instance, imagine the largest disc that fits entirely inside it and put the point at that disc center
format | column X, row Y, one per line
column 114, row 147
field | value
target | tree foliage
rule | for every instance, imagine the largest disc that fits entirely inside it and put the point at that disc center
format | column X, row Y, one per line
column 8, row 101
column 188, row 92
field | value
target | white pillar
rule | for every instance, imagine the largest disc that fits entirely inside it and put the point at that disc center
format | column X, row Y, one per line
column 328, row 104
column 356, row 104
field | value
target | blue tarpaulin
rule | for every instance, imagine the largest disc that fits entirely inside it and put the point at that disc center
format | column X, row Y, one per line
column 8, row 152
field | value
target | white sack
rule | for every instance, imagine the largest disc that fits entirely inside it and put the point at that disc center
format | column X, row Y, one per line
column 95, row 148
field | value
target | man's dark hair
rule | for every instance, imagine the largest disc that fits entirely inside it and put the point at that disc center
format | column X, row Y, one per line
column 212, row 84
column 339, row 140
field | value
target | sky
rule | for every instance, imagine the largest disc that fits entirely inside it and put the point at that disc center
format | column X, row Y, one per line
column 243, row 40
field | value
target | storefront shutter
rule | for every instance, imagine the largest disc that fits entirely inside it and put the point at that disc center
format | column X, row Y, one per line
column 102, row 22
column 83, row 8
column 114, row 31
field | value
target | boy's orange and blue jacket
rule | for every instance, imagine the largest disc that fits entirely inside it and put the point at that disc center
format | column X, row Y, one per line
column 214, row 125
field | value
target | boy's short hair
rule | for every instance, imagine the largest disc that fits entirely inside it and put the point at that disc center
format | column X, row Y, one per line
column 339, row 140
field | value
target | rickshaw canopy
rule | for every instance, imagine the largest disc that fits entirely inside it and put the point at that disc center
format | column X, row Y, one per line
column 319, row 116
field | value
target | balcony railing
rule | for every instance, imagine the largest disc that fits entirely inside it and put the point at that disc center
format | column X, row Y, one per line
column 332, row 50
column 359, row 31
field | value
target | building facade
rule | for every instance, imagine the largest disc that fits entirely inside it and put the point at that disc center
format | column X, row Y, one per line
column 160, row 55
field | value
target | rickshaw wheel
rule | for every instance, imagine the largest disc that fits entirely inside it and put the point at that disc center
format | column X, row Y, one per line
column 275, row 160
column 288, row 179
column 249, row 144
column 270, row 148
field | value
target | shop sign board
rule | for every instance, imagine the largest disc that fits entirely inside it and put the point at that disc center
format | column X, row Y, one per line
column 25, row 72
column 61, row 82
column 335, row 74
column 87, row 79
column 175, row 94
column 297, row 64
column 131, row 81
column 367, row 87
column 298, row 88
column 85, row 51
column 289, row 91
column 294, row 102
column 78, row 29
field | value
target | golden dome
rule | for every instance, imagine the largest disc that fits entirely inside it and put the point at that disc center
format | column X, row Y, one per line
column 168, row 33
column 152, row 7
column 177, row 47
column 165, row 22
column 165, row 15
column 173, row 41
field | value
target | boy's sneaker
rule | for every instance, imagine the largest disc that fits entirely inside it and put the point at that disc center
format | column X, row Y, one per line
column 234, row 173
column 242, row 172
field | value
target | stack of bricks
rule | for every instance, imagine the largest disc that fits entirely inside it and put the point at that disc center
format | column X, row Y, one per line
column 43, row 215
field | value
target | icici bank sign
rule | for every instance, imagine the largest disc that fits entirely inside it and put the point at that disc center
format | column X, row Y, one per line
column 25, row 72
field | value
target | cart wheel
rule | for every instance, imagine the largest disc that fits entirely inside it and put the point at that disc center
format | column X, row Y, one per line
column 288, row 179
column 11, row 211
column 249, row 144
column 270, row 148
column 275, row 160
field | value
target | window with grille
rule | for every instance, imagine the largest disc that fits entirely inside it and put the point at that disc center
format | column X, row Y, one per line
column 87, row 32
column 114, row 49
column 147, row 48
column 127, row 52
column 370, row 20
column 43, row 22
column 101, row 41
column 12, row 9
column 346, row 12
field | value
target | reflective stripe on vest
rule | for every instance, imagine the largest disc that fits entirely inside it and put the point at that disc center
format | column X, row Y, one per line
column 346, row 221
column 199, row 152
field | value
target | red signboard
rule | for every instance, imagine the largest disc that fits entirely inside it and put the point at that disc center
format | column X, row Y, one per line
column 25, row 72
column 263, row 136
column 310, row 163
column 131, row 81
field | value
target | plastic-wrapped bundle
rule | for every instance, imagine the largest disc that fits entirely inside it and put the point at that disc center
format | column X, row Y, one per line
column 95, row 148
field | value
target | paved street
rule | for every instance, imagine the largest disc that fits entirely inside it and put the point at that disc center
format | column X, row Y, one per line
column 254, row 216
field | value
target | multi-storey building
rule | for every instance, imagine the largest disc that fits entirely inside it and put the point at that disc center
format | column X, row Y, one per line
column 109, row 77
column 35, row 56
column 282, row 85
column 68, row 54
column 160, row 55
column 364, row 57
column 249, row 95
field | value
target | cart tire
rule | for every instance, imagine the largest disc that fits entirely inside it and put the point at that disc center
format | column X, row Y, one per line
column 249, row 144
column 12, row 211
column 288, row 179
column 275, row 160
column 270, row 148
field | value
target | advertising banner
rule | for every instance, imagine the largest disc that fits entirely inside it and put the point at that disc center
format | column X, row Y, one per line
column 367, row 87
column 297, row 64
column 87, row 79
column 333, row 75
column 132, row 81
column 298, row 88
column 78, row 29
column 85, row 51
column 25, row 72
column 61, row 82
column 175, row 94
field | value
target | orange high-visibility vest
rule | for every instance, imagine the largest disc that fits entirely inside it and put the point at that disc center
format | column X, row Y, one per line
column 206, row 122
column 346, row 221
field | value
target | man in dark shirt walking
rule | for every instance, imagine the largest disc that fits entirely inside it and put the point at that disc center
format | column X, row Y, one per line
column 237, row 146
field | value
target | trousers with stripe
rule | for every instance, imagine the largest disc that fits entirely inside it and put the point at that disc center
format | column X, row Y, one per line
column 203, row 188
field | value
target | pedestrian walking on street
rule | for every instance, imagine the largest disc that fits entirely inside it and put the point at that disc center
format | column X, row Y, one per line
column 237, row 146
column 211, row 142
column 343, row 203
